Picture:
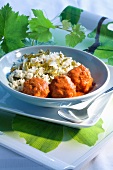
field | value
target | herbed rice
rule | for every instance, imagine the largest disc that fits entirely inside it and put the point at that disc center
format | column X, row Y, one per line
column 44, row 64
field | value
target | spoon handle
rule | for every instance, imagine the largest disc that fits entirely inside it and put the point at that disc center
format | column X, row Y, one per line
column 109, row 90
column 84, row 104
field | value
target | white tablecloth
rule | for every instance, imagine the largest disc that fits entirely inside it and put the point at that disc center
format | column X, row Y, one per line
column 12, row 161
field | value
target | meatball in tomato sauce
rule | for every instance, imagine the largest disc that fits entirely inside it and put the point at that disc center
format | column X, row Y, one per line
column 36, row 87
column 82, row 78
column 62, row 87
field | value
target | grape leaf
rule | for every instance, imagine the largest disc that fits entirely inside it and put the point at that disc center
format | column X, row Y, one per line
column 76, row 36
column 39, row 134
column 40, row 27
column 1, row 52
column 66, row 24
column 88, row 136
column 47, row 136
column 105, row 50
column 110, row 60
column 72, row 14
column 13, row 29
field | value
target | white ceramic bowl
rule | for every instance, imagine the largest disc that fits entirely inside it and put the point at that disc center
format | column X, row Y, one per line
column 99, row 71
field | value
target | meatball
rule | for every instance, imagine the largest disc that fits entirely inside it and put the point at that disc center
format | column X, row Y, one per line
column 36, row 87
column 62, row 87
column 82, row 78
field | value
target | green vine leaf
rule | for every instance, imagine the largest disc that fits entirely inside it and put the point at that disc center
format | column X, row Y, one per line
column 40, row 27
column 76, row 36
column 1, row 52
column 105, row 50
column 88, row 136
column 110, row 60
column 39, row 134
column 66, row 24
column 13, row 28
column 47, row 136
column 72, row 14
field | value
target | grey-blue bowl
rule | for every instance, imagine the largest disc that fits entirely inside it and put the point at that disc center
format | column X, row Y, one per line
column 98, row 68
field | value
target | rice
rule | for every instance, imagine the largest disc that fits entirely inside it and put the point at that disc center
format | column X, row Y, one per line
column 44, row 64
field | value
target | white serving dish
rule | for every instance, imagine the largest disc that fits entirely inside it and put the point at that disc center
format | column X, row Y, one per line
column 97, row 67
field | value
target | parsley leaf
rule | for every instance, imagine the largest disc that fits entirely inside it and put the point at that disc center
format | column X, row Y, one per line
column 12, row 29
column 40, row 27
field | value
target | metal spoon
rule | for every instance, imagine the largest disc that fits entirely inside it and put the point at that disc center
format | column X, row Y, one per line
column 78, row 116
